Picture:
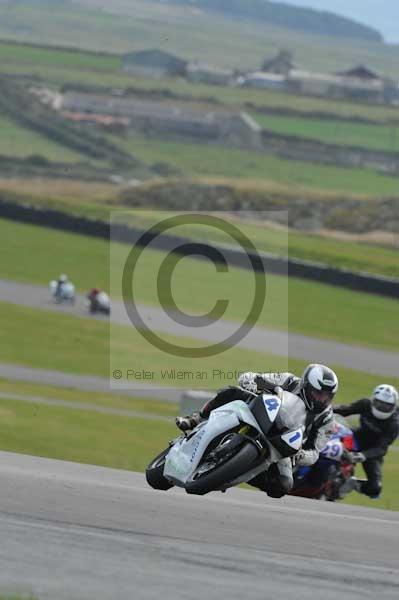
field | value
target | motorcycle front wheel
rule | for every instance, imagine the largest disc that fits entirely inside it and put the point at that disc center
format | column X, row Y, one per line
column 216, row 477
column 154, row 472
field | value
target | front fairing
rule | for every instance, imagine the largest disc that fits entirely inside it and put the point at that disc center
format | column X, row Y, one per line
column 187, row 452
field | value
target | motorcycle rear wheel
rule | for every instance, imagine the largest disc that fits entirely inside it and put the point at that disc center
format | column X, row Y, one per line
column 154, row 472
column 238, row 464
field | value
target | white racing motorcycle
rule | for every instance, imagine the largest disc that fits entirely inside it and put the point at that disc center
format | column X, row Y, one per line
column 239, row 441
column 66, row 293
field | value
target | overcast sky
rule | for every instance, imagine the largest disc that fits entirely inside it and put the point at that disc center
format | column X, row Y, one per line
column 380, row 14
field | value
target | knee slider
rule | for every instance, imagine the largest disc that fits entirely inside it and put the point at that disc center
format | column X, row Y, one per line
column 278, row 487
column 287, row 483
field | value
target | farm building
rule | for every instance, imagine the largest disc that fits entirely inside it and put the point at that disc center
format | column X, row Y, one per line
column 341, row 86
column 279, row 65
column 361, row 73
column 200, row 121
column 200, row 73
column 153, row 63
column 261, row 80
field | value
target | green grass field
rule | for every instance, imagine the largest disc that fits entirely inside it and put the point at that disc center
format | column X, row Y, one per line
column 216, row 39
column 376, row 137
column 81, row 436
column 340, row 314
column 60, row 66
column 358, row 256
column 21, row 142
column 81, row 346
column 297, row 305
column 111, row 401
column 212, row 160
column 14, row 54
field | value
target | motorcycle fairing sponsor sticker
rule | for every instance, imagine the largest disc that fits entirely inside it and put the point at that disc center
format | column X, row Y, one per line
column 293, row 438
column 272, row 406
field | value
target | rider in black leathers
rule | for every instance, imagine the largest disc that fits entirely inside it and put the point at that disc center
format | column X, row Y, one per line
column 378, row 429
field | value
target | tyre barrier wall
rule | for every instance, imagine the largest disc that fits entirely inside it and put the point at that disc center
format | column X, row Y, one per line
column 362, row 282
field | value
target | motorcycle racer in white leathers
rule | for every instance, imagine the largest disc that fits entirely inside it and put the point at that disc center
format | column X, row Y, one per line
column 316, row 389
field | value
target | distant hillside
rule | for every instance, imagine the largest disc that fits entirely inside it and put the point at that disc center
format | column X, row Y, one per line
column 290, row 17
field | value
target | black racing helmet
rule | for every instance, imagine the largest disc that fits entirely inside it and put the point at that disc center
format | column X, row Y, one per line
column 319, row 384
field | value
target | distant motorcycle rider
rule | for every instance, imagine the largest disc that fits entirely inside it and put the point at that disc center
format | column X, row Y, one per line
column 98, row 301
column 378, row 428
column 61, row 281
column 92, row 297
column 316, row 389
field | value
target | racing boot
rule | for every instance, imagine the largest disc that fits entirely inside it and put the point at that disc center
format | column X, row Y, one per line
column 351, row 484
column 189, row 422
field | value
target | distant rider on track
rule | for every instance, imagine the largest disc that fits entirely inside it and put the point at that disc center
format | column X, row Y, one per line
column 62, row 280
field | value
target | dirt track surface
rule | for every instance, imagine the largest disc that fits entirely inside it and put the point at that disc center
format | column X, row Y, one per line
column 72, row 531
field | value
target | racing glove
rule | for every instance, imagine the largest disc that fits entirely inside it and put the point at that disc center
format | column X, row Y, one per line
column 247, row 382
column 356, row 457
column 296, row 459
column 346, row 456
column 264, row 385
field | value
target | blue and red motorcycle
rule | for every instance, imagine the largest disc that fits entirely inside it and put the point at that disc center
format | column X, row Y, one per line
column 325, row 479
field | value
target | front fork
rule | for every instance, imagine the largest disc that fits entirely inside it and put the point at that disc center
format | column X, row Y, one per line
column 258, row 441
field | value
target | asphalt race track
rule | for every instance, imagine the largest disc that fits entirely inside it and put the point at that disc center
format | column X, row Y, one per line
column 378, row 362
column 72, row 531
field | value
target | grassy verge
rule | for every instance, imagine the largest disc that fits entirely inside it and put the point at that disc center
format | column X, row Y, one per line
column 81, row 346
column 144, row 405
column 19, row 141
column 389, row 499
column 357, row 256
column 300, row 306
column 212, row 160
column 81, row 436
column 79, row 198
column 14, row 54
column 34, row 254
column 378, row 137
